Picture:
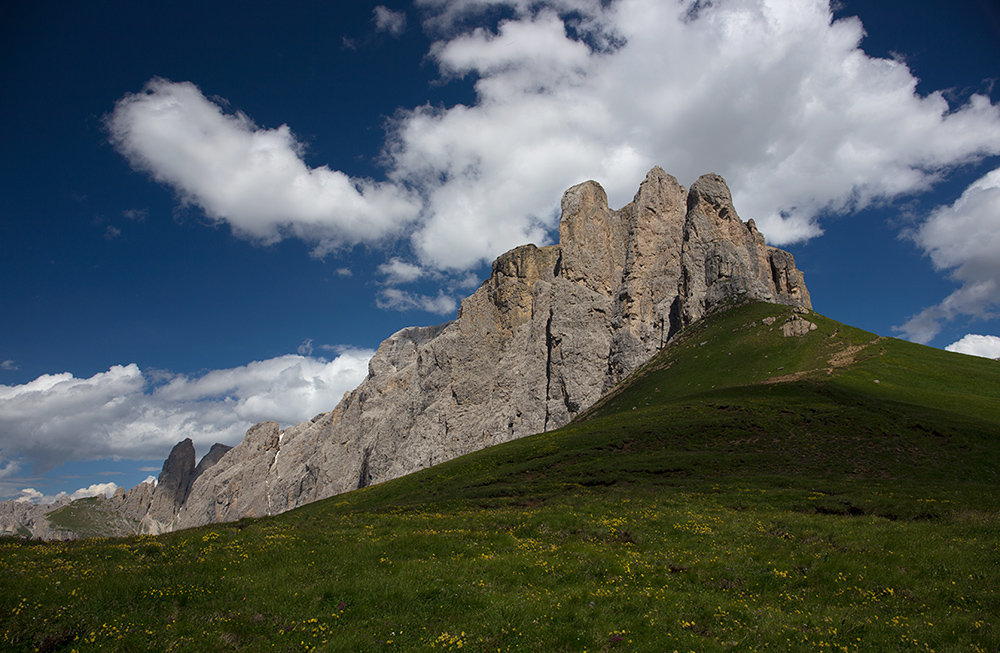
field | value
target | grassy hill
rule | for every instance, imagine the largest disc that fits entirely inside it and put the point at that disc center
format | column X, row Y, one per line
column 743, row 491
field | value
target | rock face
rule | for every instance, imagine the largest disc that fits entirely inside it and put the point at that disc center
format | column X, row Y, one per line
column 134, row 504
column 213, row 456
column 541, row 340
column 20, row 518
column 173, row 483
column 153, row 507
column 239, row 486
column 173, row 487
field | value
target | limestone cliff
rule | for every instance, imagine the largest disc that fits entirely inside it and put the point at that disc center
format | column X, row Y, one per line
column 548, row 333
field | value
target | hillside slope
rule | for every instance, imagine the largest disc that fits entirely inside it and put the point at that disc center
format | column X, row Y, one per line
column 734, row 396
column 797, row 505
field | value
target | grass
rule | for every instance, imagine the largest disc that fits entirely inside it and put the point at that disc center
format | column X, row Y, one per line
column 821, row 513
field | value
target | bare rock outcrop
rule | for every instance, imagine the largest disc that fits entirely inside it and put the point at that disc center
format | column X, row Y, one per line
column 149, row 507
column 133, row 504
column 155, row 507
column 796, row 326
column 213, row 456
column 237, row 482
column 723, row 257
column 173, row 483
column 29, row 520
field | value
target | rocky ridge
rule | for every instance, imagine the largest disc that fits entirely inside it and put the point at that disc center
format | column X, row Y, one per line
column 24, row 519
column 541, row 340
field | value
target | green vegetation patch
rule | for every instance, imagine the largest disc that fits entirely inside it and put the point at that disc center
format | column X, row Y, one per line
column 731, row 567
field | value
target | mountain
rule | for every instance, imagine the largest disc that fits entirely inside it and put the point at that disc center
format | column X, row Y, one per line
column 739, row 399
column 551, row 331
column 759, row 484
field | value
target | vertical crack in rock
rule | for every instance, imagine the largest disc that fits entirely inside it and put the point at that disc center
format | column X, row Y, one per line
column 675, row 319
column 549, row 346
column 272, row 469
column 363, row 477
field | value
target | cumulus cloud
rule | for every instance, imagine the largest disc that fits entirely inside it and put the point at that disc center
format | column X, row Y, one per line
column 776, row 96
column 288, row 389
column 401, row 300
column 397, row 271
column 977, row 345
column 252, row 178
column 387, row 20
column 31, row 495
column 124, row 413
column 963, row 239
column 97, row 489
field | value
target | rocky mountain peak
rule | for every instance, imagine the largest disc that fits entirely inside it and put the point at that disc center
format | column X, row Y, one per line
column 551, row 330
column 174, row 482
column 541, row 340
column 213, row 456
column 710, row 195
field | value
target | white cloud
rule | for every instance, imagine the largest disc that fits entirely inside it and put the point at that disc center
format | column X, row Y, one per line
column 97, row 489
column 8, row 365
column 9, row 468
column 963, row 239
column 31, row 495
column 977, row 345
column 398, row 271
column 122, row 414
column 288, row 389
column 387, row 20
column 252, row 178
column 772, row 94
column 306, row 348
column 401, row 300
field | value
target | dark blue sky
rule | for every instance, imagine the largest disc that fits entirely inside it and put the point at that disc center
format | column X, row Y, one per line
column 167, row 291
column 106, row 260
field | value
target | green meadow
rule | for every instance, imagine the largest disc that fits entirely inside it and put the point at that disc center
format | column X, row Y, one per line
column 744, row 491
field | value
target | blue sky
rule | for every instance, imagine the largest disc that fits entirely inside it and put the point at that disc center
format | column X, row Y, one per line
column 213, row 213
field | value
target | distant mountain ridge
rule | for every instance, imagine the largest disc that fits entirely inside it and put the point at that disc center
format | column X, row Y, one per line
column 540, row 341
